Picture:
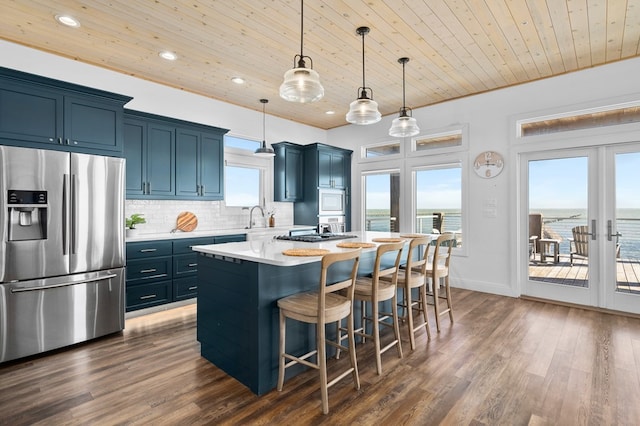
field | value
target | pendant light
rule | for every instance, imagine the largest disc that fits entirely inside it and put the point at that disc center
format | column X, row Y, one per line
column 363, row 110
column 264, row 150
column 301, row 84
column 405, row 125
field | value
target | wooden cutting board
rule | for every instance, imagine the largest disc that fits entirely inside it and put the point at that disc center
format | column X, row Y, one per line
column 186, row 222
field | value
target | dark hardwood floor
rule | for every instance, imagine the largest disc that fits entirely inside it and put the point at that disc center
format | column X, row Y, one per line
column 505, row 361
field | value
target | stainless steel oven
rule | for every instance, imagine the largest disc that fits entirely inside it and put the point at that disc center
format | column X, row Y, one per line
column 331, row 202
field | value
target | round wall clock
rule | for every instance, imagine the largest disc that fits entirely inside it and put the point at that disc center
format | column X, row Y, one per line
column 488, row 164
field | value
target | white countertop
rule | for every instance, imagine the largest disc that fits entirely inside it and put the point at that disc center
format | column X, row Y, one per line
column 211, row 233
column 269, row 250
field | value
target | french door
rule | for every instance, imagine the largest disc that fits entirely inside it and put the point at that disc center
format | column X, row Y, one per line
column 582, row 212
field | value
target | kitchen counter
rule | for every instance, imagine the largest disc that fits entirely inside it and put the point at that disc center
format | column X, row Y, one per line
column 214, row 232
column 239, row 285
column 269, row 250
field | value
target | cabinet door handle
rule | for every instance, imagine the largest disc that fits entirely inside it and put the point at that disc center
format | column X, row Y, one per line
column 195, row 287
column 66, row 141
column 148, row 250
column 202, row 190
column 148, row 187
column 60, row 141
column 150, row 296
column 147, row 271
column 192, row 265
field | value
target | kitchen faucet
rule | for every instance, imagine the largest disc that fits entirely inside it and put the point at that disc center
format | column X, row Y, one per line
column 251, row 215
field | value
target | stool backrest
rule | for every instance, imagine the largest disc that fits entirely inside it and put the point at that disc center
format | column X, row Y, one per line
column 442, row 253
column 420, row 264
column 378, row 270
column 349, row 283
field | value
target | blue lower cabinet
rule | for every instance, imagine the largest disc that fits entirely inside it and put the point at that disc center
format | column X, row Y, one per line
column 146, row 295
column 185, row 288
column 164, row 271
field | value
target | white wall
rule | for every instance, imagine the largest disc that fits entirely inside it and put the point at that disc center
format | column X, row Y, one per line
column 489, row 261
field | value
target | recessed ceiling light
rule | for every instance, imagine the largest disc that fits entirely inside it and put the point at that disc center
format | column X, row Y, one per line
column 237, row 80
column 169, row 56
column 330, row 112
column 67, row 20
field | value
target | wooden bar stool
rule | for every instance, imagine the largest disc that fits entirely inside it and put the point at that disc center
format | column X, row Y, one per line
column 330, row 304
column 438, row 272
column 374, row 290
column 414, row 275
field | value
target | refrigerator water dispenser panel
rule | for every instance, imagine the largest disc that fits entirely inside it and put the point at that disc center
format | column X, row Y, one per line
column 27, row 215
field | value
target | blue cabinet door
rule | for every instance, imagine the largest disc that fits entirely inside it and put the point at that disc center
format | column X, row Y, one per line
column 30, row 113
column 211, row 166
column 92, row 124
column 160, row 152
column 135, row 142
column 187, row 182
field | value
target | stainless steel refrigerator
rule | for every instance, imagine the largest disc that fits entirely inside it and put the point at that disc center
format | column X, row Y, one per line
column 61, row 249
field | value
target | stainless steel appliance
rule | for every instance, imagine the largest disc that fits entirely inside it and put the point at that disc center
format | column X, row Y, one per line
column 331, row 202
column 61, row 249
column 314, row 238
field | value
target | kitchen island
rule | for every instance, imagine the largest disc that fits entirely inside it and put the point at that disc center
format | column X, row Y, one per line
column 239, row 285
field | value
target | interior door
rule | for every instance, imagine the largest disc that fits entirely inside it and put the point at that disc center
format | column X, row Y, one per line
column 583, row 220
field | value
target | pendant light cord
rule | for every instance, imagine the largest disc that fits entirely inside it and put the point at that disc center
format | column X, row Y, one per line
column 403, row 98
column 363, row 85
column 263, row 121
column 301, row 27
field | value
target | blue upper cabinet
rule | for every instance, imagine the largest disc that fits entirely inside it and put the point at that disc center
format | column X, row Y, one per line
column 288, row 178
column 149, row 149
column 173, row 159
column 38, row 112
column 334, row 166
column 199, row 165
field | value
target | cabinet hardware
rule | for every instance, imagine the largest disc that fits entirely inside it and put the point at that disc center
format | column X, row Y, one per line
column 147, row 271
column 192, row 265
column 202, row 190
column 150, row 296
column 60, row 141
column 151, row 250
column 195, row 287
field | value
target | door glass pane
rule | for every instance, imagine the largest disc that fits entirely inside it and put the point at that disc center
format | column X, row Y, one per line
column 382, row 202
column 627, row 223
column 439, row 201
column 558, row 240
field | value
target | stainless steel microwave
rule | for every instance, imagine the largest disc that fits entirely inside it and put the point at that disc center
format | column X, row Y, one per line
column 331, row 202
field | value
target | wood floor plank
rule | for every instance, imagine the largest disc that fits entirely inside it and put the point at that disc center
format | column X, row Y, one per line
column 503, row 361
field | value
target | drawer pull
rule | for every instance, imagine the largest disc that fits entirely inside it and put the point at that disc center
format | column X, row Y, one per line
column 155, row 276
column 148, row 250
column 146, row 271
column 150, row 296
column 192, row 265
column 195, row 287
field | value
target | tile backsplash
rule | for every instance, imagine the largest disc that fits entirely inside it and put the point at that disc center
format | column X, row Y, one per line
column 212, row 215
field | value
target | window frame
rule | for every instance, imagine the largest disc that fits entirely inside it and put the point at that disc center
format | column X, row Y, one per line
column 236, row 157
column 462, row 129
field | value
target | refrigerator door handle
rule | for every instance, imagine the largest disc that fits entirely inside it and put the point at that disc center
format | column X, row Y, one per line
column 67, row 284
column 74, row 214
column 65, row 215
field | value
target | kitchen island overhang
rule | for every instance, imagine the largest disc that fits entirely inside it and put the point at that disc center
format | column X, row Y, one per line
column 239, row 285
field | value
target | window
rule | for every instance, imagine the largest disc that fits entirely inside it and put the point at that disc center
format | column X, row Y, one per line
column 442, row 141
column 438, row 200
column 612, row 115
column 246, row 183
column 381, row 150
column 382, row 202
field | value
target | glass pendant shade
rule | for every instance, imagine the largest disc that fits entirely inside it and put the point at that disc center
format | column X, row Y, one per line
column 264, row 150
column 363, row 111
column 404, row 126
column 301, row 85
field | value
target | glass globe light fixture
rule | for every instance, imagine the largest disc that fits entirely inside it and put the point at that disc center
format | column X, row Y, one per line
column 405, row 125
column 363, row 110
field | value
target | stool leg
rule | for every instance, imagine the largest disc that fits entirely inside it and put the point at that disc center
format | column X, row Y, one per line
column 436, row 305
column 423, row 303
column 283, row 327
column 409, row 313
column 322, row 364
column 396, row 325
column 352, row 351
column 376, row 335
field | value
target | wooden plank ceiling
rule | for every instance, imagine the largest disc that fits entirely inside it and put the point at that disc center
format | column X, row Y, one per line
column 457, row 47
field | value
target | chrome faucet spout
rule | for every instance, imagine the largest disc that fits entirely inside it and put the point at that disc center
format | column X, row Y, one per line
column 251, row 215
